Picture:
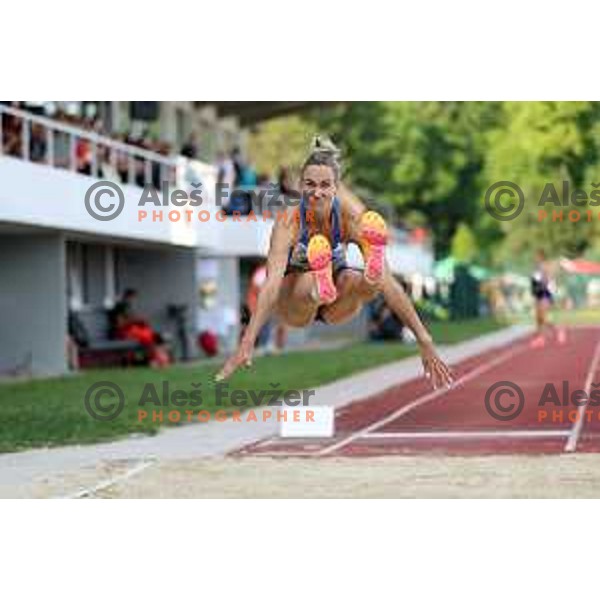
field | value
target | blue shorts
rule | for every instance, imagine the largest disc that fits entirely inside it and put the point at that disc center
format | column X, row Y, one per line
column 544, row 296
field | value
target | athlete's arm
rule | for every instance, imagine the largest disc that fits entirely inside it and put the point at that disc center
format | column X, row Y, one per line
column 281, row 241
column 276, row 265
column 395, row 296
column 397, row 299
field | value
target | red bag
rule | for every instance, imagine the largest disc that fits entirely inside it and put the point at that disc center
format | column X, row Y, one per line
column 209, row 343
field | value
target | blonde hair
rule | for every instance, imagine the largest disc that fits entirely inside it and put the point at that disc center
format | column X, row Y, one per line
column 324, row 152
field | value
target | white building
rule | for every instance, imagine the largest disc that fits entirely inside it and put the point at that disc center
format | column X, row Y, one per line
column 56, row 257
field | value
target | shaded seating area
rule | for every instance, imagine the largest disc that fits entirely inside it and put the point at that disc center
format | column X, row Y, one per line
column 91, row 333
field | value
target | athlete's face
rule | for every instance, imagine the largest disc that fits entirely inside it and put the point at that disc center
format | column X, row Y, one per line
column 319, row 182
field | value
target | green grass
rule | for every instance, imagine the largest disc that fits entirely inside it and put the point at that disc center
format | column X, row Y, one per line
column 51, row 412
column 584, row 316
column 581, row 316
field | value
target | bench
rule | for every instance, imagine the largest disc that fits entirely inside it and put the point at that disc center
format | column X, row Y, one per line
column 90, row 331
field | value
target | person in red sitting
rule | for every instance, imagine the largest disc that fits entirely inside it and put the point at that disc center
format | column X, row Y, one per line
column 127, row 325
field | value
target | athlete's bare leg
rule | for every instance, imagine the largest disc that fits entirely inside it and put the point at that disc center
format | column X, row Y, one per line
column 298, row 302
column 541, row 314
column 297, row 305
column 353, row 291
column 544, row 324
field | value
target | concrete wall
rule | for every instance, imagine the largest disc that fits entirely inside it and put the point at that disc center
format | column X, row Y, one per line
column 33, row 321
column 161, row 277
column 222, row 316
column 42, row 196
column 229, row 296
column 96, row 274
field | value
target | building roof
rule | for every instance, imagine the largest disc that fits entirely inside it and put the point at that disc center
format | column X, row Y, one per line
column 250, row 113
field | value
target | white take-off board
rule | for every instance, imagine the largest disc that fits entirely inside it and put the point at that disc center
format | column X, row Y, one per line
column 308, row 422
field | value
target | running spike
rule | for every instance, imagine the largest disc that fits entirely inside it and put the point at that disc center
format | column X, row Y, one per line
column 374, row 238
column 319, row 259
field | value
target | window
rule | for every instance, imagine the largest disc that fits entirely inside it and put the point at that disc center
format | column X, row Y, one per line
column 91, row 276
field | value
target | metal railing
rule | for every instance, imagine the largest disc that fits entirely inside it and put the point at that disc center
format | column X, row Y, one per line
column 46, row 141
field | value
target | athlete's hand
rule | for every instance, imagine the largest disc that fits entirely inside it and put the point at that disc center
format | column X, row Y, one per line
column 436, row 370
column 243, row 357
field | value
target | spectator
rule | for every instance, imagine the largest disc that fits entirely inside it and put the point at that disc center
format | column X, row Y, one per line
column 383, row 323
column 225, row 171
column 106, row 169
column 190, row 148
column 122, row 161
column 83, row 156
column 245, row 316
column 285, row 182
column 240, row 200
column 281, row 336
column 37, row 143
column 258, row 279
column 160, row 173
column 225, row 175
column 263, row 180
column 12, row 128
column 115, row 167
column 97, row 126
column 238, row 165
column 248, row 176
column 127, row 325
column 62, row 146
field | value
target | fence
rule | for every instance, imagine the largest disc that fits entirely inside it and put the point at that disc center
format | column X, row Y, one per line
column 39, row 139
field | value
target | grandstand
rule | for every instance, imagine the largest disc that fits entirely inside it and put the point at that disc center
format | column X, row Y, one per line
column 56, row 259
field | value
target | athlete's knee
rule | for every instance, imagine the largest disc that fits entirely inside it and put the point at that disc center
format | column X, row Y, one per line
column 299, row 318
column 347, row 280
column 301, row 291
column 306, row 292
column 352, row 282
column 369, row 290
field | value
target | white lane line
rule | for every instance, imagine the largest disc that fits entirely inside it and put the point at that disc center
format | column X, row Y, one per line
column 508, row 433
column 422, row 400
column 571, row 444
column 107, row 483
column 284, row 456
column 261, row 443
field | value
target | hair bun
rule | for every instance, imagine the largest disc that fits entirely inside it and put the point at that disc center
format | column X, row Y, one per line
column 324, row 152
column 324, row 145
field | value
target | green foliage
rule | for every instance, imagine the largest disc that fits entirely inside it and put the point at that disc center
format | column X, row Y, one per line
column 464, row 244
column 280, row 142
column 434, row 161
column 418, row 156
column 543, row 143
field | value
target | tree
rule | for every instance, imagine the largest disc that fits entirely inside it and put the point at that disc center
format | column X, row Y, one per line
column 281, row 142
column 464, row 244
column 434, row 161
column 418, row 156
column 539, row 146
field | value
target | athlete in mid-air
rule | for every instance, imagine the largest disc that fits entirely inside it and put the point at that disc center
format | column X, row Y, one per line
column 308, row 277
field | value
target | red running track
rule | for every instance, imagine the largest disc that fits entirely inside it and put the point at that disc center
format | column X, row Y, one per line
column 412, row 419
